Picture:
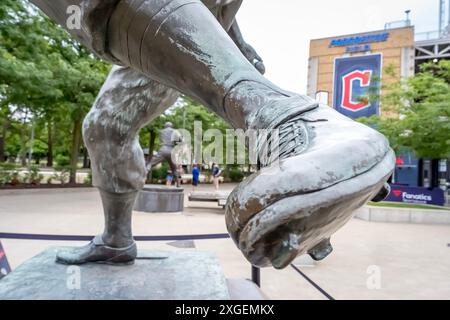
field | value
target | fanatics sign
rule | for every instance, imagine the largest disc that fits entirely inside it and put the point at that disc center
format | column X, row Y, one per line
column 416, row 195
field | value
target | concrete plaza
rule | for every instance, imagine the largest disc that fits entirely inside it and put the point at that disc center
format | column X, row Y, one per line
column 370, row 260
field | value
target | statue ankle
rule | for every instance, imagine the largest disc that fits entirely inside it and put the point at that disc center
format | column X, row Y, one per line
column 245, row 99
column 115, row 241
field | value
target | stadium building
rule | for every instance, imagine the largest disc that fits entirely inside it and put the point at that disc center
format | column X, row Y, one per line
column 346, row 71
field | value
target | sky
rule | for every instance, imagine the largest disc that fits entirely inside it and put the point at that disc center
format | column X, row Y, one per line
column 280, row 30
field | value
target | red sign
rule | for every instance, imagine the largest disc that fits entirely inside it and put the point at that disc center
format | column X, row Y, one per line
column 4, row 265
column 363, row 77
column 399, row 161
column 397, row 192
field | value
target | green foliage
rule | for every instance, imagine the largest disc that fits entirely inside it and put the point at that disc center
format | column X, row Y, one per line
column 15, row 178
column 236, row 175
column 418, row 110
column 47, row 78
column 33, row 176
column 39, row 149
column 88, row 179
column 5, row 176
column 184, row 114
column 160, row 173
column 62, row 175
column 48, row 81
column 9, row 174
column 62, row 160
column 8, row 166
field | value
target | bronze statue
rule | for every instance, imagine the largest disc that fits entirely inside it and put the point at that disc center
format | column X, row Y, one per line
column 169, row 138
column 330, row 165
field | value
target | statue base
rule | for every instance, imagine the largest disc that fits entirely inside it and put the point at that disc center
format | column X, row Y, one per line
column 177, row 275
column 157, row 198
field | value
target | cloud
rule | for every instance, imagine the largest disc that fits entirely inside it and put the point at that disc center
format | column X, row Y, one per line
column 281, row 30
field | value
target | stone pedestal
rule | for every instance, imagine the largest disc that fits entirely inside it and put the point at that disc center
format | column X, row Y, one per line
column 157, row 198
column 187, row 275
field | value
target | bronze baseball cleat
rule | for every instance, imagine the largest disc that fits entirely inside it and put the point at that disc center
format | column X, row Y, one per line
column 329, row 166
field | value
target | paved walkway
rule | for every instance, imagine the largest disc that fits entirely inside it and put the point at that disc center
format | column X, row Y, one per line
column 398, row 261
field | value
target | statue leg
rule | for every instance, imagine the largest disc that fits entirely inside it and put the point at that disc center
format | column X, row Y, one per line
column 165, row 154
column 127, row 102
column 182, row 45
column 156, row 159
column 174, row 167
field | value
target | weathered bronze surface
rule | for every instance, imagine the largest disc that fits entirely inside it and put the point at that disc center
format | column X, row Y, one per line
column 330, row 165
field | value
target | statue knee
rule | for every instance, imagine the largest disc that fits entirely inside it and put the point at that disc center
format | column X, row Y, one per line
column 91, row 133
column 95, row 132
column 101, row 128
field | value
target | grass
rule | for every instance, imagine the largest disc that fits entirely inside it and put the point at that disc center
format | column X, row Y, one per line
column 406, row 205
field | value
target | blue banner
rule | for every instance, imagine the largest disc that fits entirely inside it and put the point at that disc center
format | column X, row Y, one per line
column 416, row 195
column 357, row 85
column 4, row 265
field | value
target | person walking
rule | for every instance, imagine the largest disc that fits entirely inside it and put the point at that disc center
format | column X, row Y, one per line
column 216, row 175
column 195, row 176
column 169, row 178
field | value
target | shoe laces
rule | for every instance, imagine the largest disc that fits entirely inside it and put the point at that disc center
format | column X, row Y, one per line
column 292, row 138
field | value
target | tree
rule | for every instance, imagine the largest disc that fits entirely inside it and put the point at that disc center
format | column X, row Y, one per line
column 48, row 74
column 418, row 112
column 26, row 81
column 183, row 115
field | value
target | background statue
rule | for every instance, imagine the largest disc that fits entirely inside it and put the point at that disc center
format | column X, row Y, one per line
column 330, row 165
column 169, row 138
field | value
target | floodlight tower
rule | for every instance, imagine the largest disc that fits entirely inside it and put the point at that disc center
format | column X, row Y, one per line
column 441, row 15
column 444, row 18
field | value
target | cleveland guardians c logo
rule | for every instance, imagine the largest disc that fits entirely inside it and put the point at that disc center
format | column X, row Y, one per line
column 349, row 81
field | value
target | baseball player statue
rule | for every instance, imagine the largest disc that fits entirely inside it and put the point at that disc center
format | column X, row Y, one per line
column 169, row 138
column 328, row 165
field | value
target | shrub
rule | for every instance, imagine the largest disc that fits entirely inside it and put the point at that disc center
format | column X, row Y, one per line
column 33, row 176
column 62, row 174
column 15, row 178
column 5, row 177
column 9, row 174
column 236, row 175
column 88, row 179
column 8, row 166
column 62, row 160
column 160, row 174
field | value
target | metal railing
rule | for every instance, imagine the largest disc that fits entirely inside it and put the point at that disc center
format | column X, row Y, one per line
column 429, row 35
column 397, row 24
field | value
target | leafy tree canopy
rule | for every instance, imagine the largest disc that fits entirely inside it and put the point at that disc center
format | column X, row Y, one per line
column 416, row 112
